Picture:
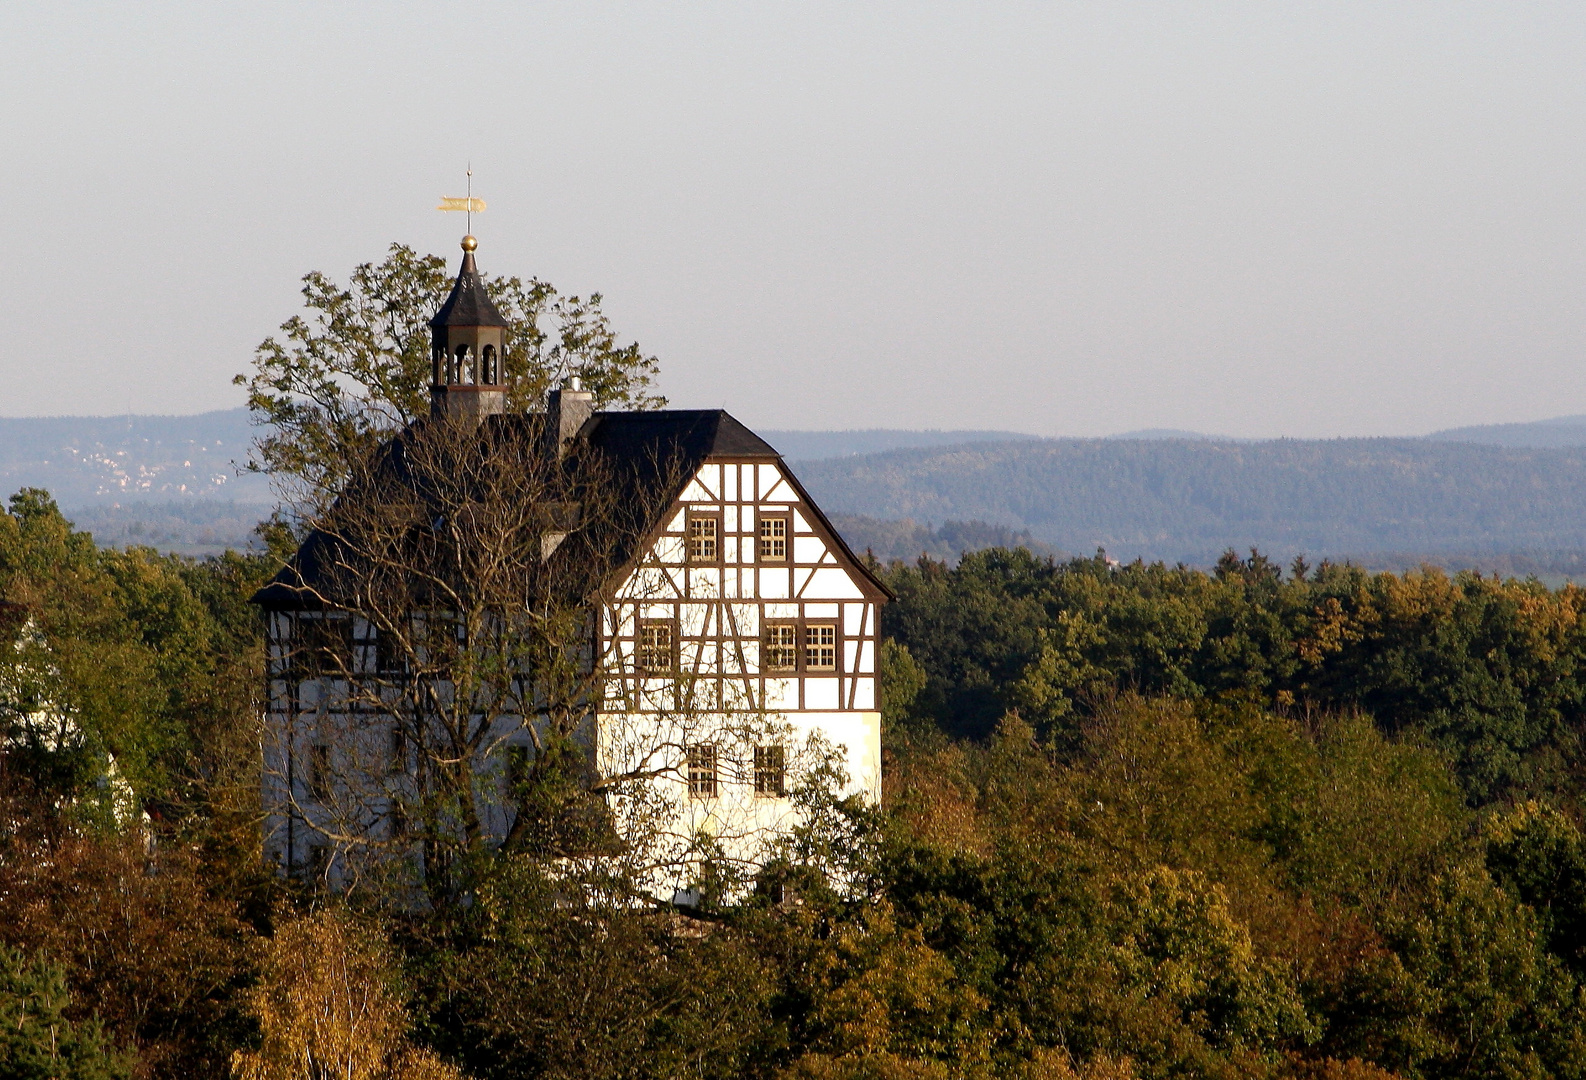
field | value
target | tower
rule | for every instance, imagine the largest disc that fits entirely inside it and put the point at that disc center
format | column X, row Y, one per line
column 467, row 337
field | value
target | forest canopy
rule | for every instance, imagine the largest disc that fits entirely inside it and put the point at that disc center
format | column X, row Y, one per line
column 1140, row 821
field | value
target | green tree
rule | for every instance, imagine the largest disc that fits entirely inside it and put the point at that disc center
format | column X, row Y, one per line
column 618, row 990
column 1539, row 855
column 37, row 1042
column 356, row 367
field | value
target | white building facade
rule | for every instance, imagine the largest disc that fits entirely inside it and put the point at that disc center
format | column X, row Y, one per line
column 735, row 653
column 751, row 613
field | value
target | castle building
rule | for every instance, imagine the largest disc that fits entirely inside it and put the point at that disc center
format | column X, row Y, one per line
column 731, row 641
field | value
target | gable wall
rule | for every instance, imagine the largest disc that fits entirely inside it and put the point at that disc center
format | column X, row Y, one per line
column 721, row 609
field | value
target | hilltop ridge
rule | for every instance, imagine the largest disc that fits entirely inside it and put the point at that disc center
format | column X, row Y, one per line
column 1509, row 496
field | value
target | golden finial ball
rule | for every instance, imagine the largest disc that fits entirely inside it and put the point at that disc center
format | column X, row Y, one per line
column 469, row 243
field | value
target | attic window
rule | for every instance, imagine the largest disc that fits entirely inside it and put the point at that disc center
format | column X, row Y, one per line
column 820, row 647
column 323, row 646
column 773, row 539
column 704, row 538
column 782, row 647
column 657, row 646
column 390, row 656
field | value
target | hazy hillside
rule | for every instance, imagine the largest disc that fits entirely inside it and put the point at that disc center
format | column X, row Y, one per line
column 802, row 445
column 1189, row 500
column 186, row 526
column 104, row 459
column 907, row 539
column 1510, row 497
column 1560, row 431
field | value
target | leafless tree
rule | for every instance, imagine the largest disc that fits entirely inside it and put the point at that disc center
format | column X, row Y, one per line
column 459, row 700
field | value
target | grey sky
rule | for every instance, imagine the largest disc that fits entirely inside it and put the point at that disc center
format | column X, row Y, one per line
column 1260, row 218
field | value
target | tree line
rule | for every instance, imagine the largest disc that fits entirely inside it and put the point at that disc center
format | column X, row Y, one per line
column 1140, row 821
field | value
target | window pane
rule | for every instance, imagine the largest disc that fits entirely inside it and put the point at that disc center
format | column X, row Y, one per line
column 773, row 539
column 702, row 771
column 781, row 647
column 770, row 771
column 702, row 539
column 820, row 647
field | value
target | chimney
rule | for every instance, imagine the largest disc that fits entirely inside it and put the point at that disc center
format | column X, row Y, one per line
column 566, row 413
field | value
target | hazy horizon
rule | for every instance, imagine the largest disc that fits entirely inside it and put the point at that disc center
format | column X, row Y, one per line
column 1146, row 433
column 1350, row 219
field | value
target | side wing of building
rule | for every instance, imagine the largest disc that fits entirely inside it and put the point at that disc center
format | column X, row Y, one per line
column 747, row 604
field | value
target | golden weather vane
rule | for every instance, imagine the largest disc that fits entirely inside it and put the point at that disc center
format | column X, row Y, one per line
column 468, row 205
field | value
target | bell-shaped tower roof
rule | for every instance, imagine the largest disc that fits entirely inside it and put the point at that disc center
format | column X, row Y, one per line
column 469, row 304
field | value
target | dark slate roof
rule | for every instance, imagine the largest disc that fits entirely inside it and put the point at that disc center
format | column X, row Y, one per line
column 469, row 304
column 653, row 454
column 690, row 434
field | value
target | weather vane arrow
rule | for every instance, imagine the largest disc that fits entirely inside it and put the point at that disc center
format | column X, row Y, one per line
column 467, row 204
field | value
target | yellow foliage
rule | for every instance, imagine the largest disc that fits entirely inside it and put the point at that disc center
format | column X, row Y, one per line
column 1053, row 1064
column 327, row 1009
column 933, row 795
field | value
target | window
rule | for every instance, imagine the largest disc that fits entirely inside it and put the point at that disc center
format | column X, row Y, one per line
column 657, row 646
column 773, row 539
column 437, row 640
column 396, row 821
column 319, row 772
column 702, row 772
column 770, row 772
column 781, row 647
column 704, row 539
column 820, row 647
column 519, row 758
column 317, row 865
column 322, row 647
column 390, row 658
column 397, row 762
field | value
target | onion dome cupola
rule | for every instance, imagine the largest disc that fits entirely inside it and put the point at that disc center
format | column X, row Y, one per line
column 468, row 339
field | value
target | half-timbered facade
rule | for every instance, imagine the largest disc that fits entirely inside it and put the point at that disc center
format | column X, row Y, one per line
column 735, row 644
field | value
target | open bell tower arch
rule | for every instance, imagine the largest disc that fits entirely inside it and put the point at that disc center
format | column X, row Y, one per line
column 467, row 347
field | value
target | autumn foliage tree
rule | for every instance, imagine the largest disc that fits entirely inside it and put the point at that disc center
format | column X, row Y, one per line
column 329, row 1006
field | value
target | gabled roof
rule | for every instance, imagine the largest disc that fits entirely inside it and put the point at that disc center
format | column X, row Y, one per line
column 653, row 457
column 690, row 435
column 469, row 304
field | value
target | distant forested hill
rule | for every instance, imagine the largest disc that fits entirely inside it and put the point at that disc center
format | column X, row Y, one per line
column 1559, row 431
column 801, row 445
column 905, row 539
column 1507, row 497
column 1181, row 499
